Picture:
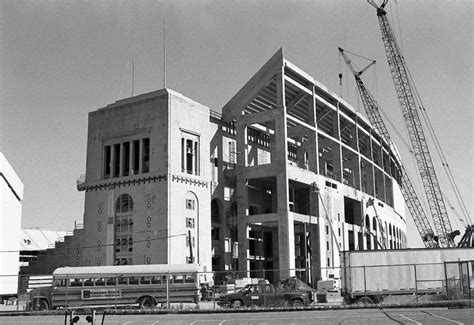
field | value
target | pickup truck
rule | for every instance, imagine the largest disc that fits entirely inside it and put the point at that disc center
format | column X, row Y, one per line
column 290, row 292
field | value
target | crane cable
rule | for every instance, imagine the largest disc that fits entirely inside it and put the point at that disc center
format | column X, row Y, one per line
column 433, row 135
column 440, row 151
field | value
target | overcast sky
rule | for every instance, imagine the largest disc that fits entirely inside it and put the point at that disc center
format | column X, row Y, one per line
column 63, row 59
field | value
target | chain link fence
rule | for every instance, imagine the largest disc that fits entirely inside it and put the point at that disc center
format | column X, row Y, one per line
column 403, row 283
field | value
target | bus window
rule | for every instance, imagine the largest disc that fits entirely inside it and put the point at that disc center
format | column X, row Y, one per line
column 178, row 278
column 156, row 280
column 88, row 282
column 145, row 280
column 111, row 281
column 100, row 282
column 189, row 279
column 122, row 280
column 132, row 280
column 75, row 283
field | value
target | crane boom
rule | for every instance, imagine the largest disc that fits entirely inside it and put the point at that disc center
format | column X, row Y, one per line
column 405, row 92
column 372, row 110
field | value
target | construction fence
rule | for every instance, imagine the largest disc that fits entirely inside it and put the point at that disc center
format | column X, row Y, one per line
column 352, row 284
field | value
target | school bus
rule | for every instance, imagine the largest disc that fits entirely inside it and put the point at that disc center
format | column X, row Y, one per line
column 144, row 286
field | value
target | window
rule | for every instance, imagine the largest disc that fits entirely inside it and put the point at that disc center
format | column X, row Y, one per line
column 190, row 223
column 116, row 162
column 136, row 157
column 126, row 159
column 190, row 154
column 146, row 155
column 124, row 204
column 232, row 152
column 107, row 161
column 123, row 229
column 190, row 204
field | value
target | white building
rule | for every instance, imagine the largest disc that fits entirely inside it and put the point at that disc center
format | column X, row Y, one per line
column 11, row 195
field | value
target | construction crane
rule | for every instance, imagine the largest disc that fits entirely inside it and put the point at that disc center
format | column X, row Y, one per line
column 372, row 110
column 406, row 91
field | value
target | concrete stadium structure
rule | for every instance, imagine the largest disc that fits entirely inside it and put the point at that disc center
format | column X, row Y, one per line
column 284, row 178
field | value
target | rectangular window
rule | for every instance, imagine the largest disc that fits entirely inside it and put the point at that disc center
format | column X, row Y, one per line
column 126, row 159
column 116, row 162
column 107, row 161
column 190, row 204
column 232, row 152
column 190, row 223
column 136, row 157
column 146, row 155
column 189, row 156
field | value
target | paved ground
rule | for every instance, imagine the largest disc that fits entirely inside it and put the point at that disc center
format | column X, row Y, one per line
column 435, row 316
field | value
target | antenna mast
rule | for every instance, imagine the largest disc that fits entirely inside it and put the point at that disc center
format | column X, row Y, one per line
column 164, row 53
column 133, row 65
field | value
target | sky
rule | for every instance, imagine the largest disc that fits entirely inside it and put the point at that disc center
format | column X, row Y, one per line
column 61, row 60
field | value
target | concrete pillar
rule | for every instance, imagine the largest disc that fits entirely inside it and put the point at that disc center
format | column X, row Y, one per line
column 112, row 160
column 122, row 157
column 131, row 171
column 286, row 234
column 242, row 196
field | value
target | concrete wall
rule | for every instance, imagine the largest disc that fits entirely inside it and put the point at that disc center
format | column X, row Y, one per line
column 11, row 195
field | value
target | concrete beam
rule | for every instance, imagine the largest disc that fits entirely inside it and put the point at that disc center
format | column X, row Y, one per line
column 272, row 67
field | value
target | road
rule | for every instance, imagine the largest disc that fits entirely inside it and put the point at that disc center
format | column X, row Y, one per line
column 435, row 316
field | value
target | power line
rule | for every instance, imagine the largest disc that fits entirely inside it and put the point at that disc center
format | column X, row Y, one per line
column 95, row 246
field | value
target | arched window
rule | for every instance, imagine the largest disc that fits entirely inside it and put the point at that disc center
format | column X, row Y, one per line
column 124, row 204
column 215, row 211
column 123, row 229
column 367, row 221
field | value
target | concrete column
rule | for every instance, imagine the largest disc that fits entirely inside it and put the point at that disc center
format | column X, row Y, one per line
column 121, row 164
column 315, row 258
column 242, row 195
column 286, row 234
column 130, row 161
column 112, row 160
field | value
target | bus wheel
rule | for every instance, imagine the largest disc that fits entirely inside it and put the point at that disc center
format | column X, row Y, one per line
column 147, row 302
column 237, row 304
column 43, row 304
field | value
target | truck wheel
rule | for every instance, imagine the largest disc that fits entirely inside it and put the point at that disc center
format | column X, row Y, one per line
column 147, row 302
column 237, row 304
column 365, row 301
column 43, row 305
column 296, row 303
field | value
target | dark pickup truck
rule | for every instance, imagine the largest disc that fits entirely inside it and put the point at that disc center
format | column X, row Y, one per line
column 290, row 292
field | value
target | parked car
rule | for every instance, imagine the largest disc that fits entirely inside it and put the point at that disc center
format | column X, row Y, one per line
column 290, row 292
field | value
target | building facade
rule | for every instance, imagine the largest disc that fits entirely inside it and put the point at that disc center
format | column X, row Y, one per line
column 147, row 186
column 11, row 196
column 284, row 179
